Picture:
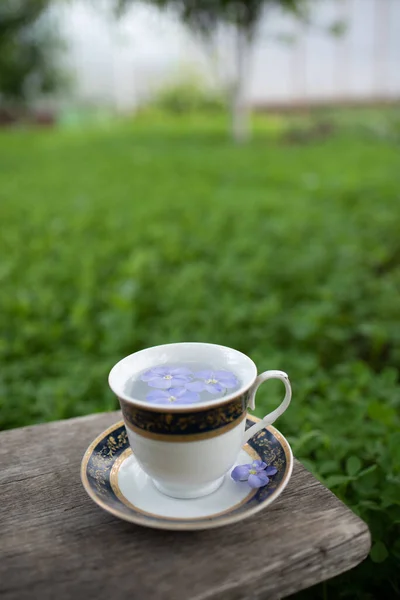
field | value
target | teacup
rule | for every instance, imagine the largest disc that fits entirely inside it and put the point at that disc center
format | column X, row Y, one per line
column 188, row 449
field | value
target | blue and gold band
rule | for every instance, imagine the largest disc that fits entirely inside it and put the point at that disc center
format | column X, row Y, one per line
column 188, row 425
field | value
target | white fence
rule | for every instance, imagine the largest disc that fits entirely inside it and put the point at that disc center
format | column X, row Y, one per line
column 117, row 63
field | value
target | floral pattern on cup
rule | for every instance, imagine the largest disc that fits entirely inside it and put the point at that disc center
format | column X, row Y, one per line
column 256, row 474
column 179, row 385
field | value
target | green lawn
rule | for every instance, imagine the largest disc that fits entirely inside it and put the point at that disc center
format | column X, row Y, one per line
column 159, row 230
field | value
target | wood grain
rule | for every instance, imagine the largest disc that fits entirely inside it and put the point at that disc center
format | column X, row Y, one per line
column 55, row 543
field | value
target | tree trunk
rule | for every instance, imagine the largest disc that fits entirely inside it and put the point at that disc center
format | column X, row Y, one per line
column 239, row 108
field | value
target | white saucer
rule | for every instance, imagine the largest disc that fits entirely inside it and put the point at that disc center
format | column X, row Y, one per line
column 113, row 479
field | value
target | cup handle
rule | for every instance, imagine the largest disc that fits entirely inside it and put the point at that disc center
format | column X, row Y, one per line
column 268, row 419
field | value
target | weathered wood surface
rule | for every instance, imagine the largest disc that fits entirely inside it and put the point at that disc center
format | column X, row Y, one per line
column 56, row 543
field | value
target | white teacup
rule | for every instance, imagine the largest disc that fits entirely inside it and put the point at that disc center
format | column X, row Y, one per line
column 187, row 449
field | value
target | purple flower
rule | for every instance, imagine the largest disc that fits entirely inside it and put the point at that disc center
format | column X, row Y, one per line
column 256, row 474
column 167, row 377
column 213, row 381
column 177, row 395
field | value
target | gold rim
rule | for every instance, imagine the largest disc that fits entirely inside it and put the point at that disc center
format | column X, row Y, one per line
column 193, row 437
column 164, row 523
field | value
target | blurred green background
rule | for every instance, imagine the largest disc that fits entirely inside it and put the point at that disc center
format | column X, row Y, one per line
column 158, row 229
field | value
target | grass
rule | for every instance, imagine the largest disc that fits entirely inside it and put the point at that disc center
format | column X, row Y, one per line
column 156, row 230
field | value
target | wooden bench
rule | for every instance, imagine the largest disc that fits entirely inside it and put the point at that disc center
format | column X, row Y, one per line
column 56, row 543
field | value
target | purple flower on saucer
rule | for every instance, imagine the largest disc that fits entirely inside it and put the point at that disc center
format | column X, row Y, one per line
column 256, row 474
column 177, row 395
column 213, row 382
column 167, row 377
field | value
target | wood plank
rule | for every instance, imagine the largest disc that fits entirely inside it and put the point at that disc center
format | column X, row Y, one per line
column 55, row 543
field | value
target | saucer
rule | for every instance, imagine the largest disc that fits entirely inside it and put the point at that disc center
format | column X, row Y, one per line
column 114, row 480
